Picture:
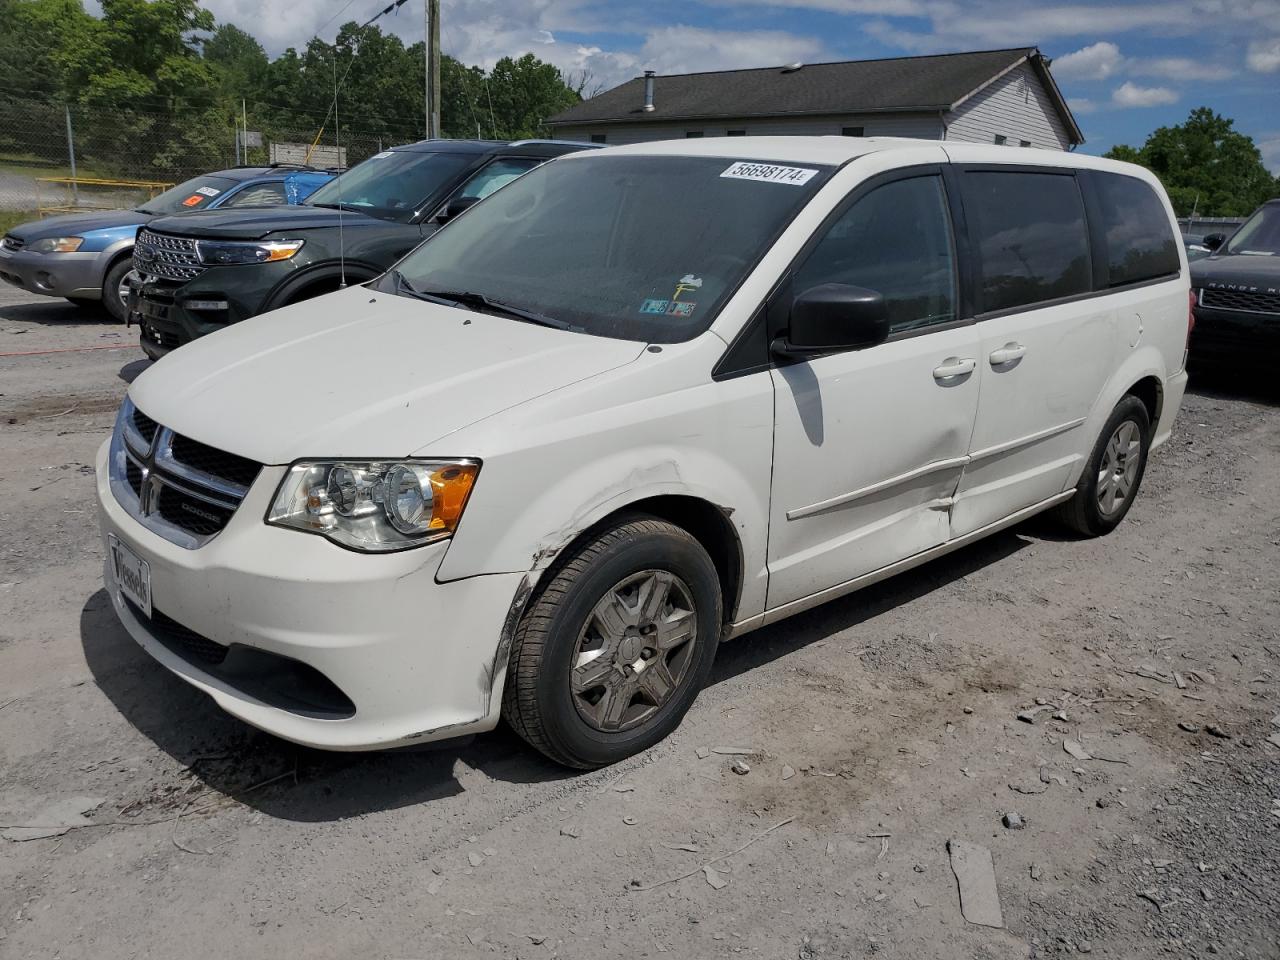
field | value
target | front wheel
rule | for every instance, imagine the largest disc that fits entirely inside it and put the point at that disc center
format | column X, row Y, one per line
column 1111, row 478
column 613, row 651
column 115, row 290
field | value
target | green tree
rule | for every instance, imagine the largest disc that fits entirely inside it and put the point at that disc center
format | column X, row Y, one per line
column 239, row 63
column 525, row 92
column 1205, row 165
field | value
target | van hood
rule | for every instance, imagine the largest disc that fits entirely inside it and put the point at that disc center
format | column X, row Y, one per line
column 253, row 223
column 362, row 374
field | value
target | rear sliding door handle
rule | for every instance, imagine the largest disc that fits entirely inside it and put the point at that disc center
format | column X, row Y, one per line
column 953, row 367
column 1007, row 354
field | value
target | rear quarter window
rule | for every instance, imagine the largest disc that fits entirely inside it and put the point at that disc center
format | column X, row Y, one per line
column 1031, row 236
column 1140, row 244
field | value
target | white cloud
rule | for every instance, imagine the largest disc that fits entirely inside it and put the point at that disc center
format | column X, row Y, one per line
column 1264, row 55
column 682, row 49
column 1081, row 105
column 1269, row 147
column 1129, row 94
column 1094, row 62
column 1178, row 68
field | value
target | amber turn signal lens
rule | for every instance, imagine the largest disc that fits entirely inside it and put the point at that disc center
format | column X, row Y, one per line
column 450, row 487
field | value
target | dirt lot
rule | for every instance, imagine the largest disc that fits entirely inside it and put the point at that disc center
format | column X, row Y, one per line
column 879, row 727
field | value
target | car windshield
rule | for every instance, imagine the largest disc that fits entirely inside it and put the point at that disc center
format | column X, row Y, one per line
column 632, row 247
column 195, row 194
column 1260, row 234
column 394, row 184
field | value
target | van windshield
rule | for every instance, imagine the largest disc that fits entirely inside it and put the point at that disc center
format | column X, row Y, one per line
column 1260, row 234
column 641, row 248
column 394, row 184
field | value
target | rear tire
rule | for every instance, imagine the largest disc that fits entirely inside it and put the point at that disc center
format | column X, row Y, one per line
column 112, row 301
column 615, row 647
column 1113, row 474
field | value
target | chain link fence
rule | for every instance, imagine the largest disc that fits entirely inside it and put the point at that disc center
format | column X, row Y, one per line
column 57, row 158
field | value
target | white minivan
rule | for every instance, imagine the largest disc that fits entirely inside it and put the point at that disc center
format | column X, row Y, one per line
column 639, row 401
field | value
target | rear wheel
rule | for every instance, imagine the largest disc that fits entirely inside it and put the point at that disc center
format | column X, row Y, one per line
column 1112, row 476
column 115, row 290
column 613, row 651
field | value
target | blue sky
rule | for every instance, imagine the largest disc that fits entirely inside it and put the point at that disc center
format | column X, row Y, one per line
column 1127, row 68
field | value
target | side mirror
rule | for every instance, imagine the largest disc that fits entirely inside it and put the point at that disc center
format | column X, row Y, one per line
column 457, row 205
column 832, row 318
column 1214, row 240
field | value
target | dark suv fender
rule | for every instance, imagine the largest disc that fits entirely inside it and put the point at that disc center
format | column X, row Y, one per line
column 296, row 285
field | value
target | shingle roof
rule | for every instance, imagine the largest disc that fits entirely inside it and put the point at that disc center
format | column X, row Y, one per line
column 853, row 86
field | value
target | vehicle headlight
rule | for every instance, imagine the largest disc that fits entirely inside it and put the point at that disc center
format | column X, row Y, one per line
column 225, row 252
column 375, row 506
column 57, row 245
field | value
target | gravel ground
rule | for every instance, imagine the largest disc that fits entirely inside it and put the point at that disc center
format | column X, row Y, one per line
column 877, row 728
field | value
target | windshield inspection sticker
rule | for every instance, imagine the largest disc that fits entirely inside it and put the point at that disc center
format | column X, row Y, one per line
column 208, row 191
column 194, row 200
column 742, row 170
column 672, row 308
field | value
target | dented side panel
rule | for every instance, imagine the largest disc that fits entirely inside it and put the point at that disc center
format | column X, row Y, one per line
column 560, row 464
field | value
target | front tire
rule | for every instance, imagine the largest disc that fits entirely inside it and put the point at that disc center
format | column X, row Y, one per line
column 614, row 649
column 1111, row 478
column 115, row 296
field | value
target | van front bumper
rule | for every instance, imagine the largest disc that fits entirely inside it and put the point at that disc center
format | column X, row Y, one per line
column 323, row 646
column 53, row 274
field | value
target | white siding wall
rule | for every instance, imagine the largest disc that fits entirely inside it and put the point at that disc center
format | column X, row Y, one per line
column 1016, row 106
column 922, row 126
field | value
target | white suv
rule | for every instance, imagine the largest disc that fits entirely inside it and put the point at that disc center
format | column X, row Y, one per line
column 639, row 401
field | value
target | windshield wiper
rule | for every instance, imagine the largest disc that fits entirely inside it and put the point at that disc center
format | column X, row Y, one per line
column 404, row 286
column 485, row 304
column 351, row 207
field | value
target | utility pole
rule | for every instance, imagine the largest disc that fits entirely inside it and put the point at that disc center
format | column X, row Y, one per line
column 431, row 65
column 71, row 153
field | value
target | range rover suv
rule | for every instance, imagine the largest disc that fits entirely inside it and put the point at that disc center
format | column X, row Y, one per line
column 1237, row 291
column 202, row 271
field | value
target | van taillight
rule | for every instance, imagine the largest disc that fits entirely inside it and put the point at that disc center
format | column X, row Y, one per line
column 1191, row 314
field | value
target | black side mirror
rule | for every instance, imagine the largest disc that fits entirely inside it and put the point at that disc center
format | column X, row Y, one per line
column 456, row 206
column 1214, row 240
column 832, row 318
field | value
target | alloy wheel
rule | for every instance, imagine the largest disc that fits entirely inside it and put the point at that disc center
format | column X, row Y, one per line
column 634, row 650
column 1118, row 471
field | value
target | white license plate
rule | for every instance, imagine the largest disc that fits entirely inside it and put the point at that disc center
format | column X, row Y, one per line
column 133, row 574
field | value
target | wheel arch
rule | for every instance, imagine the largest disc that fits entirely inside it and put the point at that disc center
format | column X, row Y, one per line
column 290, row 289
column 1151, row 392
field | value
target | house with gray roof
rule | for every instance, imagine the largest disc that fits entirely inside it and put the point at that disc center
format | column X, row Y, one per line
column 987, row 96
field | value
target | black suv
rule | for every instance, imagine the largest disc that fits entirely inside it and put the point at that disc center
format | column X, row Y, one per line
column 199, row 272
column 1237, row 291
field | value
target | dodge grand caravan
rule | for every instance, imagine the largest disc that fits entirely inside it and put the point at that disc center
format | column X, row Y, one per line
column 637, row 402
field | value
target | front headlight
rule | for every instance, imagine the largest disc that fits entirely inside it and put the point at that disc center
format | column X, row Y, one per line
column 57, row 245
column 228, row 252
column 377, row 506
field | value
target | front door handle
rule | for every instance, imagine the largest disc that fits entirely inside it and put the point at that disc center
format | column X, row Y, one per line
column 1007, row 354
column 953, row 367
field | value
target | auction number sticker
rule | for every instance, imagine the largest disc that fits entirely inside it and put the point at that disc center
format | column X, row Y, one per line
column 208, row 191
column 768, row 172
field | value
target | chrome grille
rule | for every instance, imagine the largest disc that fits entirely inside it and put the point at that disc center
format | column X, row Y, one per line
column 172, row 258
column 12, row 243
column 1253, row 301
column 182, row 489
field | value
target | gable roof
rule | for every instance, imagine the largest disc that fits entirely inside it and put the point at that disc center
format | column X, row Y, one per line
column 904, row 84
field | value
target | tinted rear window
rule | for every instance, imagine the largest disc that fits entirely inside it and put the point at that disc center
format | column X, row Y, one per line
column 1140, row 242
column 1031, row 235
